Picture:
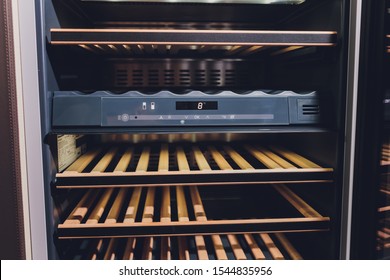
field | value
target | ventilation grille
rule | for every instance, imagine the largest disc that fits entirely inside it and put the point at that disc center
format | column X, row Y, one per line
column 310, row 109
column 174, row 78
column 127, row 76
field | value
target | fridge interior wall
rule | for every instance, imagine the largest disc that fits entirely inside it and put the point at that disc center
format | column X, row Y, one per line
column 67, row 67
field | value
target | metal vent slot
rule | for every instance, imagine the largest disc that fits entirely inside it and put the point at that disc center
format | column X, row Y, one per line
column 310, row 109
column 185, row 77
column 169, row 77
column 153, row 77
column 230, row 77
column 183, row 73
column 215, row 77
column 138, row 77
column 121, row 77
column 200, row 77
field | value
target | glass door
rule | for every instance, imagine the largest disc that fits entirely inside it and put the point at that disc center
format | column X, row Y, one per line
column 370, row 232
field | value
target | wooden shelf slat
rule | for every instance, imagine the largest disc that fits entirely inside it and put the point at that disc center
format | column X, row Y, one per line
column 113, row 215
column 219, row 159
column 218, row 247
column 275, row 252
column 110, row 251
column 276, row 158
column 165, row 248
column 165, row 216
column 81, row 163
column 201, row 248
column 163, row 163
column 98, row 211
column 196, row 200
column 384, row 209
column 105, row 160
column 182, row 159
column 304, row 208
column 96, row 249
column 82, row 208
column 184, row 253
column 143, row 161
column 165, row 212
column 290, row 249
column 124, row 160
column 129, row 249
column 255, row 249
column 295, row 158
column 200, row 159
column 264, row 159
column 147, row 252
column 132, row 207
column 238, row 159
column 182, row 211
column 148, row 214
column 236, row 247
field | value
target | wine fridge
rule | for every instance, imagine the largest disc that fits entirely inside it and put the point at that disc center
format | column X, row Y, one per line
column 193, row 129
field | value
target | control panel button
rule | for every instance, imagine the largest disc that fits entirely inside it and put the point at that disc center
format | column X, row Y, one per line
column 125, row 117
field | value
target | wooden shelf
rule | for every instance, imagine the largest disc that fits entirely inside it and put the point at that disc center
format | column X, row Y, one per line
column 166, row 165
column 141, row 41
column 215, row 247
column 178, row 211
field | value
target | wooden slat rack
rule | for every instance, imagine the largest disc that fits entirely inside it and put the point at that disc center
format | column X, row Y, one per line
column 237, row 247
column 179, row 211
column 175, row 164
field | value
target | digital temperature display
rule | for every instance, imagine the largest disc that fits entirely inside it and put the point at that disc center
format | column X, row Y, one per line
column 197, row 105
